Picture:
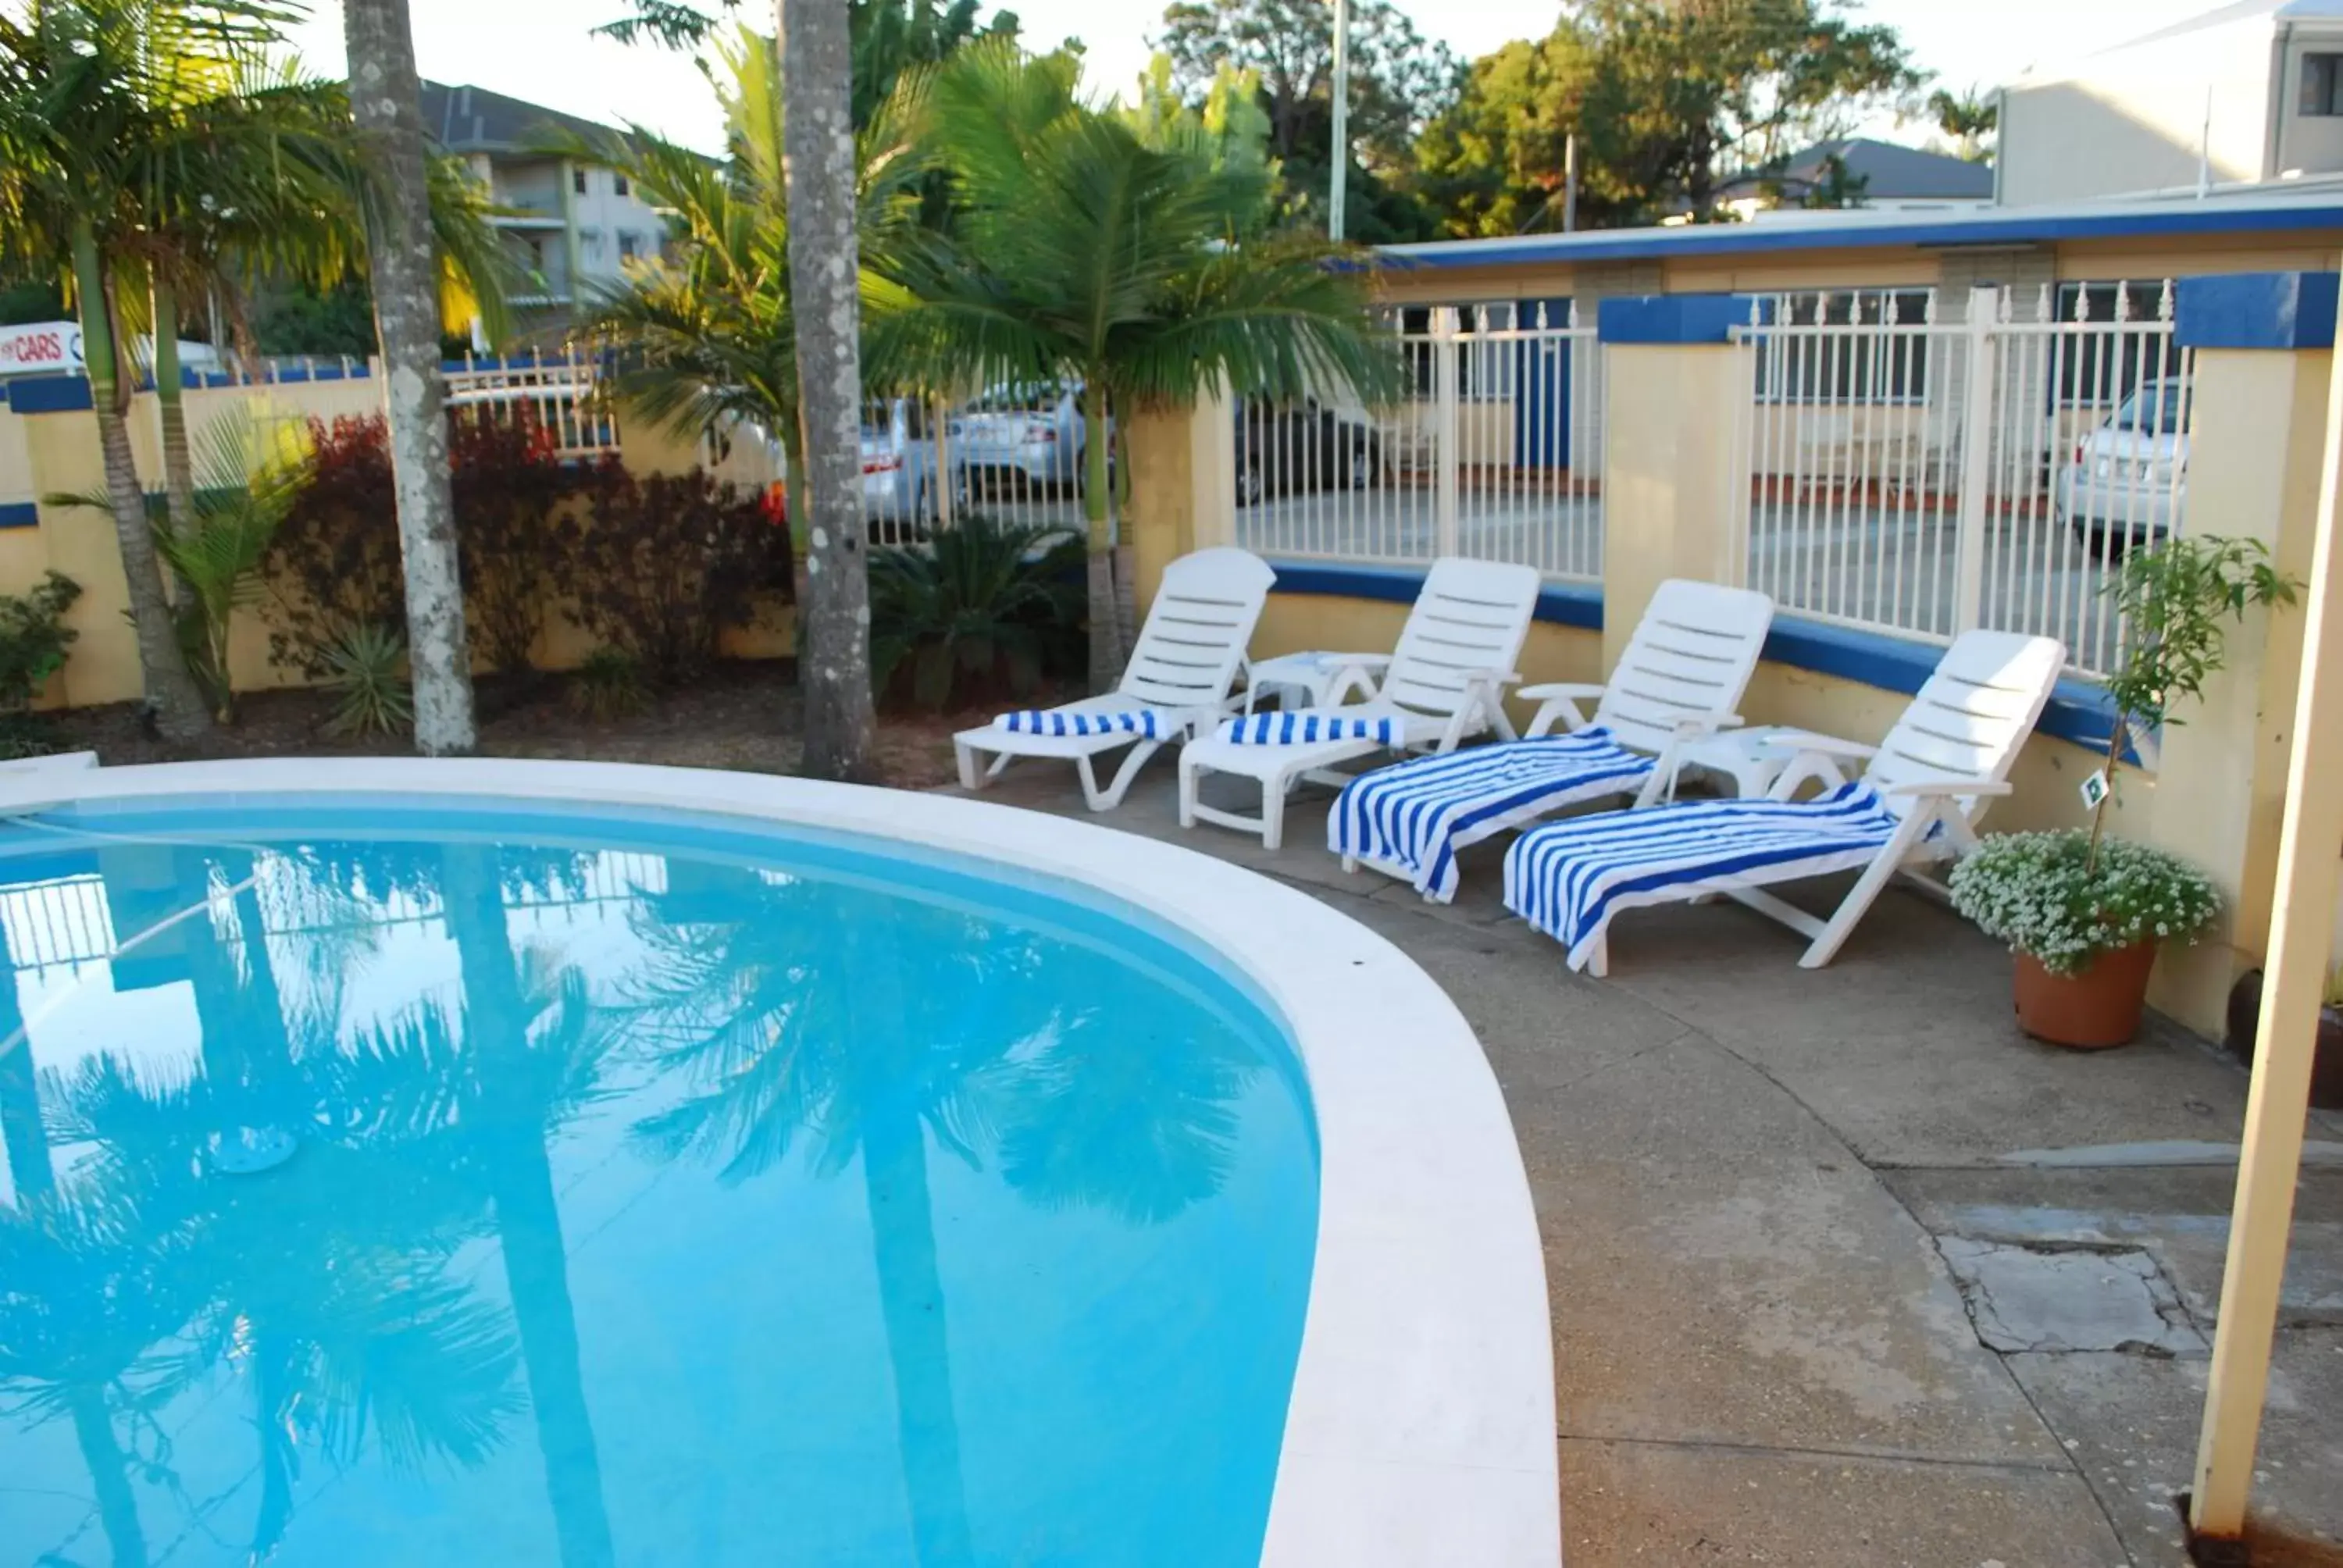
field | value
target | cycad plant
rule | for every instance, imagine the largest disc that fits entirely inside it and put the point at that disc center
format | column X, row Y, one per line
column 1130, row 259
column 984, row 598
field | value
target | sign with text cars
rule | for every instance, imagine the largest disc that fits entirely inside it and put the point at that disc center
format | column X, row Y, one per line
column 50, row 346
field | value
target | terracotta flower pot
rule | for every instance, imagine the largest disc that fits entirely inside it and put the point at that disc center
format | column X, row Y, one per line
column 2093, row 1010
column 2244, row 1036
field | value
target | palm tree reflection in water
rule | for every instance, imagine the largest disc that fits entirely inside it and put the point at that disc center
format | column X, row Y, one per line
column 863, row 1021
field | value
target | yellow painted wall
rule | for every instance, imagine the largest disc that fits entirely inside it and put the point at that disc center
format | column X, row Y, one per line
column 46, row 453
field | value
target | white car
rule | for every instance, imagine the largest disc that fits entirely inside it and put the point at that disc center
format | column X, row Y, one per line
column 2124, row 482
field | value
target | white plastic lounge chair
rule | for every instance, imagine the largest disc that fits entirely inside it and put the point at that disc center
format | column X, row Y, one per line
column 1918, row 800
column 1445, row 684
column 1178, row 681
column 1679, row 679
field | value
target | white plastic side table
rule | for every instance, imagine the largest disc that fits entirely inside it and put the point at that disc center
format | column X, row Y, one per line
column 1754, row 759
column 1307, row 680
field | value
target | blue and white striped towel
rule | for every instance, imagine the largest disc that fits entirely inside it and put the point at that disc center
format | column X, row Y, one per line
column 1569, row 878
column 1308, row 728
column 1413, row 816
column 1143, row 723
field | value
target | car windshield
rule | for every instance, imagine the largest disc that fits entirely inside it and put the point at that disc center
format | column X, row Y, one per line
column 2155, row 410
column 1037, row 397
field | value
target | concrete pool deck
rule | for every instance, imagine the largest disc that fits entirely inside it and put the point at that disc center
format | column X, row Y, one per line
column 1845, row 1271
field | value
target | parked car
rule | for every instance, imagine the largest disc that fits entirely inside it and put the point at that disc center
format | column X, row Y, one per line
column 899, row 462
column 1303, row 447
column 2124, row 482
column 1033, row 430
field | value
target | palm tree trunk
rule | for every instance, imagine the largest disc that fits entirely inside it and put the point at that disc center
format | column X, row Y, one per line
column 385, row 102
column 529, row 1213
column 171, row 403
column 818, row 141
column 109, row 1476
column 178, row 707
column 1106, row 619
column 911, row 1299
column 24, row 1137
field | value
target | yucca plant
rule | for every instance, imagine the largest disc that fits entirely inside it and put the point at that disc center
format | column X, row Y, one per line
column 608, row 685
column 983, row 600
column 366, row 673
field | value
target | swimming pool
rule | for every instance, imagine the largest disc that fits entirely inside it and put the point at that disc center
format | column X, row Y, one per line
column 613, row 1165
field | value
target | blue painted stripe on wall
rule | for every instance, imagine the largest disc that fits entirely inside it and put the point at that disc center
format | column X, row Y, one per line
column 2273, row 310
column 50, row 394
column 1559, row 604
column 1674, row 318
column 19, row 515
column 2078, row 710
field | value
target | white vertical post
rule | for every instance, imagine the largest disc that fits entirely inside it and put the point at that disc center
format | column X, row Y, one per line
column 2302, row 917
column 1443, row 430
column 1977, row 460
column 1340, row 93
column 939, row 421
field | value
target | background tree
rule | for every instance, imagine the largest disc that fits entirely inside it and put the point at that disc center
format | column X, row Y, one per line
column 384, row 101
column 1968, row 120
column 1398, row 83
column 817, row 136
column 1667, row 97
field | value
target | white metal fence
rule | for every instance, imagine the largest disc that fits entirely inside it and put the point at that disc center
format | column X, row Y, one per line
column 1925, row 475
column 1496, row 452
column 561, row 387
column 1016, row 455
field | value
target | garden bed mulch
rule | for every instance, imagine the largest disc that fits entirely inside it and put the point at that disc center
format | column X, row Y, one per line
column 743, row 717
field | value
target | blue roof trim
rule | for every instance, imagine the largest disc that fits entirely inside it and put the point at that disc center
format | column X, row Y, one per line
column 1559, row 604
column 19, row 515
column 2078, row 710
column 1672, row 317
column 2273, row 310
column 2011, row 227
column 51, row 395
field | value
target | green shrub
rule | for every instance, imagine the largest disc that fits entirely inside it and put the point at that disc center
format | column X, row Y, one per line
column 983, row 605
column 365, row 674
column 2047, row 895
column 608, row 685
column 34, row 637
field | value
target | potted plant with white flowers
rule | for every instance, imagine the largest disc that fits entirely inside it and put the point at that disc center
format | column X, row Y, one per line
column 2085, row 913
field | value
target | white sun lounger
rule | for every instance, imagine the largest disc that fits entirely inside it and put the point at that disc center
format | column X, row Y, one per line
column 1918, row 800
column 1446, row 685
column 1679, row 679
column 1178, row 682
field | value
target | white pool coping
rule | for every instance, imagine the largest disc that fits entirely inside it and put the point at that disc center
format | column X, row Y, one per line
column 1420, row 1432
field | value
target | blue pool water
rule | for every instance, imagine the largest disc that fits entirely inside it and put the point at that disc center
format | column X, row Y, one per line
column 630, row 1190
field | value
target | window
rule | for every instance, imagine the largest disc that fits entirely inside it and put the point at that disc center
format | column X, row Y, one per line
column 618, row 184
column 578, row 181
column 630, row 244
column 2092, row 367
column 2322, row 86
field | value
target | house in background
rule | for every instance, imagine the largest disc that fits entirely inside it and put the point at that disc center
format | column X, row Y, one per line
column 569, row 222
column 1858, row 171
column 2246, row 94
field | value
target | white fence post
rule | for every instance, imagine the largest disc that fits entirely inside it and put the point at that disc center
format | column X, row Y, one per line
column 1445, row 455
column 1977, row 388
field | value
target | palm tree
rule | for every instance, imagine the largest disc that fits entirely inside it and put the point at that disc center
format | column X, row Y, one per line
column 711, row 336
column 1136, row 266
column 82, row 103
column 384, row 94
column 789, row 1016
column 818, row 132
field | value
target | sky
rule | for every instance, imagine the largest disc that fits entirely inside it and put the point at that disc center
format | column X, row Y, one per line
column 539, row 49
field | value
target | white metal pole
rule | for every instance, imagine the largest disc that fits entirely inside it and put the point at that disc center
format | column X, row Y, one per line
column 1339, row 154
column 2302, row 919
column 1570, row 183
